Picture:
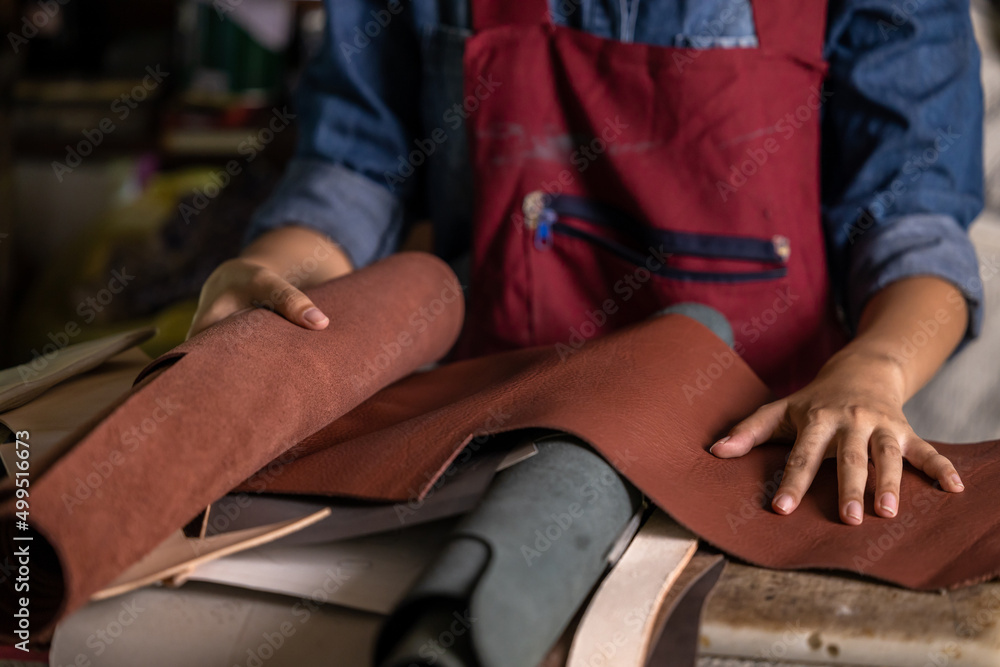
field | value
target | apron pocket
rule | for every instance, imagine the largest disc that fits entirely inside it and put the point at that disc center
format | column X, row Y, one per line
column 687, row 255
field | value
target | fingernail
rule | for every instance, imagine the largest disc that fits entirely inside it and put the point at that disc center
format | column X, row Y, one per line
column 314, row 316
column 889, row 503
column 853, row 510
column 721, row 441
column 783, row 503
column 957, row 481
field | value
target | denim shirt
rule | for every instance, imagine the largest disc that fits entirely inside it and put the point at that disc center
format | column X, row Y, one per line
column 382, row 141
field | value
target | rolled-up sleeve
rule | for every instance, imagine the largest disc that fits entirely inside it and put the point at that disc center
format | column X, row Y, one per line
column 362, row 217
column 358, row 108
column 916, row 245
column 902, row 148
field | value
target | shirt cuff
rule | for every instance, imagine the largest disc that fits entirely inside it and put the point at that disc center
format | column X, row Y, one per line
column 915, row 245
column 362, row 217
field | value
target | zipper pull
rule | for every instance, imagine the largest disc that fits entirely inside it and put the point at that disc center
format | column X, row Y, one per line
column 543, row 235
column 782, row 247
column 532, row 206
column 539, row 218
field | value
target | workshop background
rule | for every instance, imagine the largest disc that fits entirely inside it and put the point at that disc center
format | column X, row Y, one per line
column 136, row 139
column 118, row 121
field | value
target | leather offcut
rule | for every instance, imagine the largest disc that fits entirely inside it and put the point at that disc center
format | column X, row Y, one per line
column 650, row 398
column 210, row 413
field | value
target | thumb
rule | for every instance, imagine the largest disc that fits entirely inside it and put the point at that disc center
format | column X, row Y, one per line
column 296, row 307
column 755, row 430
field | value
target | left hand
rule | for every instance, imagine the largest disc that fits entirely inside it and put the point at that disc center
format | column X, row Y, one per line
column 853, row 409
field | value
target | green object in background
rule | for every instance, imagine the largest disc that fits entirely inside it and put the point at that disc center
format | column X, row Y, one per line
column 223, row 58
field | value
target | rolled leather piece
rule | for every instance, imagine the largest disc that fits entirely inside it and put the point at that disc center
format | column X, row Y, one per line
column 222, row 405
column 515, row 571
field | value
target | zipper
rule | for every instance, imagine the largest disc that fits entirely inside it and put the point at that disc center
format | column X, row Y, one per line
column 546, row 214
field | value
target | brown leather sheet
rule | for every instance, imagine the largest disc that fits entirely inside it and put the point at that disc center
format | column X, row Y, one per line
column 236, row 397
column 651, row 399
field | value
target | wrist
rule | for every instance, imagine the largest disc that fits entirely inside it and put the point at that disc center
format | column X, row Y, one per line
column 300, row 255
column 873, row 365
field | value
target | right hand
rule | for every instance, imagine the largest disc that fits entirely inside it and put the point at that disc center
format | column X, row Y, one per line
column 259, row 277
column 238, row 284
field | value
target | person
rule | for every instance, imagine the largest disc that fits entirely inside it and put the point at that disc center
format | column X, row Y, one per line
column 810, row 171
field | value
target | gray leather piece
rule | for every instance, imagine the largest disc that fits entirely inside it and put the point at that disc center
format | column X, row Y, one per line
column 707, row 315
column 517, row 568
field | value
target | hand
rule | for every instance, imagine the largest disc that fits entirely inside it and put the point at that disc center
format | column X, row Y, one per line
column 853, row 409
column 264, row 275
column 239, row 284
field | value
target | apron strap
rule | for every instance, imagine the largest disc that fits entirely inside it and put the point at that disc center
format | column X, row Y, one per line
column 795, row 27
column 496, row 13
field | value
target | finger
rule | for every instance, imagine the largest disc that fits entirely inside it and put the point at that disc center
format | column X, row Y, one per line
column 924, row 457
column 803, row 462
column 888, row 459
column 292, row 304
column 852, row 473
column 752, row 431
column 209, row 314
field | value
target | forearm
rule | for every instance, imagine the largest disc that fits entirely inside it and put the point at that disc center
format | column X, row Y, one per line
column 907, row 331
column 300, row 255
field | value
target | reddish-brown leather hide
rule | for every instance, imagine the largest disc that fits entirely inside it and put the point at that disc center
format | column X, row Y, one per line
column 651, row 399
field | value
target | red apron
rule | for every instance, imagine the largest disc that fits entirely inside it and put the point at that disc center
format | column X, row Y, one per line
column 614, row 179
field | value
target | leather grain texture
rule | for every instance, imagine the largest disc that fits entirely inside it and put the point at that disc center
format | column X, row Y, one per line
column 236, row 396
column 652, row 399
